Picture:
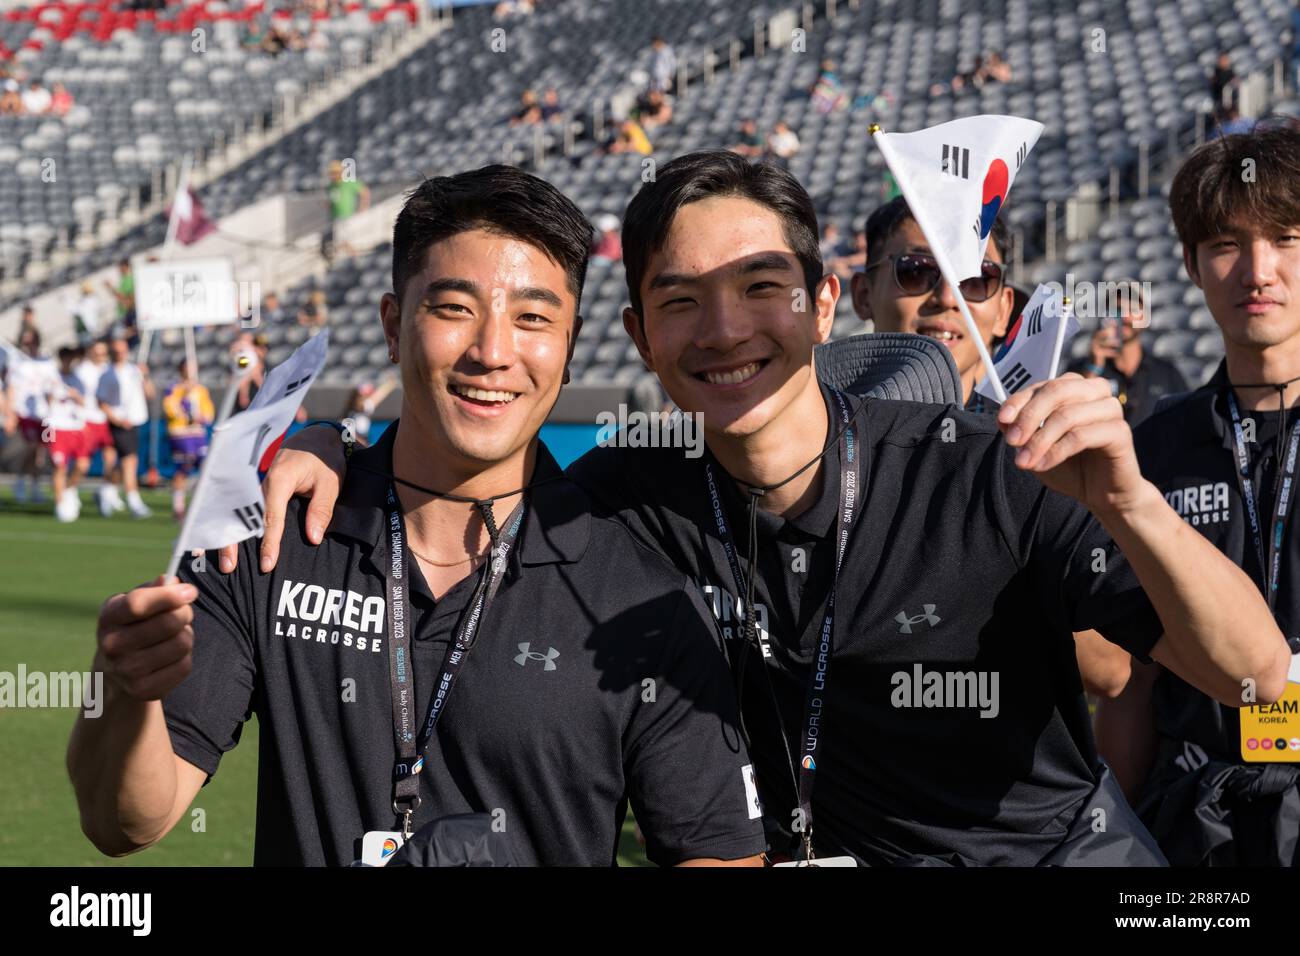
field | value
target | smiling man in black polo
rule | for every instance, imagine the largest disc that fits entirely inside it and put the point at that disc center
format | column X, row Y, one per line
column 896, row 584
column 565, row 668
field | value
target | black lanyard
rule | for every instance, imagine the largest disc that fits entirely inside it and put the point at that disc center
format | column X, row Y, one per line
column 818, row 688
column 1270, row 554
column 411, row 749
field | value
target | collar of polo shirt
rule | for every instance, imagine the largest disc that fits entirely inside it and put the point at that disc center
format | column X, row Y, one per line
column 818, row 520
column 557, row 523
column 1208, row 421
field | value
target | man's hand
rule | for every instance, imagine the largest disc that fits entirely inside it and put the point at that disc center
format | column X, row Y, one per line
column 1071, row 433
column 144, row 638
column 309, row 463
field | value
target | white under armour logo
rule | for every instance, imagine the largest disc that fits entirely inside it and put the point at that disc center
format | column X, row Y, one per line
column 525, row 655
column 927, row 615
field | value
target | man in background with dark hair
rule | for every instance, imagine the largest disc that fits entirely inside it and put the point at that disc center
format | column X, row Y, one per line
column 894, row 582
column 901, row 290
column 1220, row 785
column 1138, row 379
column 579, row 671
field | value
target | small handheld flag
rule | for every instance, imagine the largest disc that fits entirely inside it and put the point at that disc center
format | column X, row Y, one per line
column 956, row 178
column 228, row 505
column 1032, row 349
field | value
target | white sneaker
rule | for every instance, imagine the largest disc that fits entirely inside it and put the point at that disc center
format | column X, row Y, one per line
column 137, row 507
column 110, row 500
column 74, row 500
column 67, row 507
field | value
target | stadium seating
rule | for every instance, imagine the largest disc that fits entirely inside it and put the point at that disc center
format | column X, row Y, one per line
column 149, row 87
column 1103, row 77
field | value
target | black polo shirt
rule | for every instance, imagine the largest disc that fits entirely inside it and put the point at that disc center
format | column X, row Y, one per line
column 1187, row 450
column 959, row 563
column 1153, row 380
column 596, row 680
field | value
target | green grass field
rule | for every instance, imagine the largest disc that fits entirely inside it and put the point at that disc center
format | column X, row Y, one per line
column 53, row 579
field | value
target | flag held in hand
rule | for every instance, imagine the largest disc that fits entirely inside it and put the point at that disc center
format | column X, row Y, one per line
column 1029, row 352
column 956, row 177
column 228, row 503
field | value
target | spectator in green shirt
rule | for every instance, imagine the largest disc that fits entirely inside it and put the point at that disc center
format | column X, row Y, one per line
column 346, row 197
column 124, row 293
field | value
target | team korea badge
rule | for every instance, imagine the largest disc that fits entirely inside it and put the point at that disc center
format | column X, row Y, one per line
column 1270, row 733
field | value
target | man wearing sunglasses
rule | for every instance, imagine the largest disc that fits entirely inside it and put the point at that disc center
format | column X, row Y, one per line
column 901, row 290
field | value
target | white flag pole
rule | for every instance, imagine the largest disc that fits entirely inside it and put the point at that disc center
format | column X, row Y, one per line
column 940, row 257
column 1066, row 310
column 243, row 365
column 191, row 352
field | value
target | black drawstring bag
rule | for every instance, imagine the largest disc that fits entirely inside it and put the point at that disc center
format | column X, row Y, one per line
column 466, row 839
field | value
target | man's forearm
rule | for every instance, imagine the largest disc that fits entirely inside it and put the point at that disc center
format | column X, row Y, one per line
column 1218, row 630
column 1125, row 728
column 123, row 771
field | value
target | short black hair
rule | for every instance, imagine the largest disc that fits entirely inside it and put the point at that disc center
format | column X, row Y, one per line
column 885, row 220
column 716, row 172
column 500, row 199
column 1209, row 193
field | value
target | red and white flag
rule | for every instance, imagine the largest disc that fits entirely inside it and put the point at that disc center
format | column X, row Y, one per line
column 187, row 218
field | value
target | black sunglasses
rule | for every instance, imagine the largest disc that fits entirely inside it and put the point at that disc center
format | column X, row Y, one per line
column 918, row 274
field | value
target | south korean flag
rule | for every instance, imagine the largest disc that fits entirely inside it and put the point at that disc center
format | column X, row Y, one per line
column 1026, row 354
column 228, row 503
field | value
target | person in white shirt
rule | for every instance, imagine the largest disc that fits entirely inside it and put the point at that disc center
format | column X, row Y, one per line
column 36, row 99
column 783, row 143
column 30, row 379
column 124, row 393
column 66, row 431
column 97, row 436
column 85, row 309
column 663, row 65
